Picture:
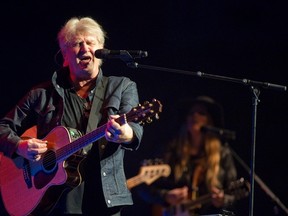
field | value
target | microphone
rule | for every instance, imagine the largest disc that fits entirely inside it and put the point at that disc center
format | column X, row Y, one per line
column 224, row 133
column 121, row 54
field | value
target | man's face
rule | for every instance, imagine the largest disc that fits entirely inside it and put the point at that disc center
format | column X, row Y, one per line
column 79, row 55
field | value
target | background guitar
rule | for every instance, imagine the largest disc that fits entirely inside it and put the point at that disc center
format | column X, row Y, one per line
column 239, row 189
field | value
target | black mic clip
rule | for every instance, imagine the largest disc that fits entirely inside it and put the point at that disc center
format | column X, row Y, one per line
column 222, row 133
column 127, row 56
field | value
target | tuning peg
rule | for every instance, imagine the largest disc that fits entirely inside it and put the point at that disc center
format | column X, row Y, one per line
column 142, row 123
column 147, row 162
column 146, row 102
column 157, row 116
column 149, row 120
column 158, row 161
column 144, row 162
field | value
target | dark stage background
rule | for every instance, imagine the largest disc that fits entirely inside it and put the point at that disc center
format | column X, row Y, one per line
column 238, row 39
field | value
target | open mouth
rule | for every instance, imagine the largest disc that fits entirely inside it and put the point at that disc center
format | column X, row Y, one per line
column 85, row 60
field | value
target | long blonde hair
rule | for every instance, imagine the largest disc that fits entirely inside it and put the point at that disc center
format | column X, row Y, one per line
column 209, row 165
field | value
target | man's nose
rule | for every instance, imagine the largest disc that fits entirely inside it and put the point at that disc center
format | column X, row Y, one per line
column 84, row 46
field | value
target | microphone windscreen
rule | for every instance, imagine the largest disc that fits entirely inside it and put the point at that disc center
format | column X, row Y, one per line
column 102, row 53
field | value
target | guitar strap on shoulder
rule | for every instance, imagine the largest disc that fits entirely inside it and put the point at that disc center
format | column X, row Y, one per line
column 195, row 181
column 96, row 116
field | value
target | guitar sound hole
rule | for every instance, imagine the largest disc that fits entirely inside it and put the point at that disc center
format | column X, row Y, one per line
column 49, row 161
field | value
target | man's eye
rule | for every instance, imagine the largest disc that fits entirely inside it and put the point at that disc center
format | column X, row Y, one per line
column 91, row 43
column 76, row 44
column 80, row 43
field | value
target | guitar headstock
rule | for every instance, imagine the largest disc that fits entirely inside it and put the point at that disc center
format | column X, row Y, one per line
column 239, row 188
column 144, row 113
column 150, row 173
column 153, row 169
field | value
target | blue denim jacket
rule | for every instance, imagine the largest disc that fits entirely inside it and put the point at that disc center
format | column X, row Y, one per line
column 43, row 106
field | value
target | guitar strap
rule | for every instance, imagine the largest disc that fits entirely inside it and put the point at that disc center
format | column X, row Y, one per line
column 97, row 102
column 195, row 181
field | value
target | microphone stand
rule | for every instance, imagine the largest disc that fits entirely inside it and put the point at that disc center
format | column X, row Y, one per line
column 255, row 88
column 264, row 187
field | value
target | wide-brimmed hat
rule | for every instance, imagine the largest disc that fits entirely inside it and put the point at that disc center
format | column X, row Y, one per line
column 213, row 107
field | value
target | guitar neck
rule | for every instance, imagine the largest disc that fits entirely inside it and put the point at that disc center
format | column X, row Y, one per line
column 134, row 181
column 66, row 151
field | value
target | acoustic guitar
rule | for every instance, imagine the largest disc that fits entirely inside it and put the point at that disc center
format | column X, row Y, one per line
column 33, row 188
